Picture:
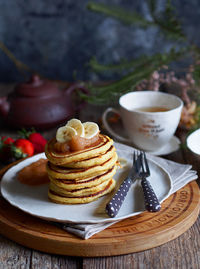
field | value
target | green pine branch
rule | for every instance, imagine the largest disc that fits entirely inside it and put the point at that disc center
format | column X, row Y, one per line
column 105, row 93
column 167, row 21
column 152, row 4
column 123, row 65
column 142, row 67
column 121, row 14
column 196, row 74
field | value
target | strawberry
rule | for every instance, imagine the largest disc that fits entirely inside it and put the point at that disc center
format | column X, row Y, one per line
column 5, row 149
column 11, row 150
column 23, row 147
column 38, row 142
column 7, row 140
column 35, row 138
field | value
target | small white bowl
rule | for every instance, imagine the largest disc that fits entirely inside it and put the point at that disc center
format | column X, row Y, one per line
column 193, row 141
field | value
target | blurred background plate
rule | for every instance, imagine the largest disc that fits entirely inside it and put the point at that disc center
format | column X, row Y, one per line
column 193, row 142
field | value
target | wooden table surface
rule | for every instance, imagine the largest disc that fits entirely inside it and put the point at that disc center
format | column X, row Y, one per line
column 183, row 252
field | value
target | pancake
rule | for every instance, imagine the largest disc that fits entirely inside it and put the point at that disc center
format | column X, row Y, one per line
column 81, row 176
column 81, row 199
column 84, row 183
column 70, row 157
column 78, row 173
column 86, row 191
column 92, row 161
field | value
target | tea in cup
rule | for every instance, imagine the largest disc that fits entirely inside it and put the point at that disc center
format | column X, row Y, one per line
column 150, row 118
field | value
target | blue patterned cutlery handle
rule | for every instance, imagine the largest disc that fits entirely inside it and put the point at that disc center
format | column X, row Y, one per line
column 151, row 201
column 113, row 207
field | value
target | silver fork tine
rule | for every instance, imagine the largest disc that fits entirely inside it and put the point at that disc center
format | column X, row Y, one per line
column 146, row 163
column 134, row 157
column 142, row 165
column 136, row 164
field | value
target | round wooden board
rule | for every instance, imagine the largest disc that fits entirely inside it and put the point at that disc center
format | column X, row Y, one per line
column 134, row 234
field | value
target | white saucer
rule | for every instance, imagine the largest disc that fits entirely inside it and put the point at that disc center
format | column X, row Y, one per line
column 171, row 146
column 193, row 141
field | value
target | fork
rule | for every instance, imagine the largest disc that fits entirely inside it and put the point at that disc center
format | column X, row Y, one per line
column 151, row 201
column 114, row 205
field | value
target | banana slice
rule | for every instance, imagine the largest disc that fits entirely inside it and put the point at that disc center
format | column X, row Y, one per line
column 91, row 129
column 65, row 134
column 77, row 125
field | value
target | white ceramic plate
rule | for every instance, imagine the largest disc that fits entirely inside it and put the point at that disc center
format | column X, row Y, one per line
column 193, row 142
column 34, row 199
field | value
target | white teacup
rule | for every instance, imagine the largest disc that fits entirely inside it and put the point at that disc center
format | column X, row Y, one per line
column 147, row 130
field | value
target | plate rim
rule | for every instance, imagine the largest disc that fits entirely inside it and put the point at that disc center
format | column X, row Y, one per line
column 189, row 138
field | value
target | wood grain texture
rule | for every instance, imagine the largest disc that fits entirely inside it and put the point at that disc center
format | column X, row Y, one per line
column 135, row 234
column 43, row 260
column 181, row 253
column 13, row 255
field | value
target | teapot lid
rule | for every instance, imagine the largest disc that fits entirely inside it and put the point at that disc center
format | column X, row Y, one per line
column 37, row 87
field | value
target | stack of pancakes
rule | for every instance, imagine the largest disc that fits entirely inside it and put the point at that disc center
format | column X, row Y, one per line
column 81, row 176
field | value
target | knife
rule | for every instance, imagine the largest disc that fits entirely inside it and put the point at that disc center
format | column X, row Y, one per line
column 114, row 205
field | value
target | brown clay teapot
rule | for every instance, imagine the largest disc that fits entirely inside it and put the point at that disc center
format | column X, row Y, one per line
column 38, row 103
